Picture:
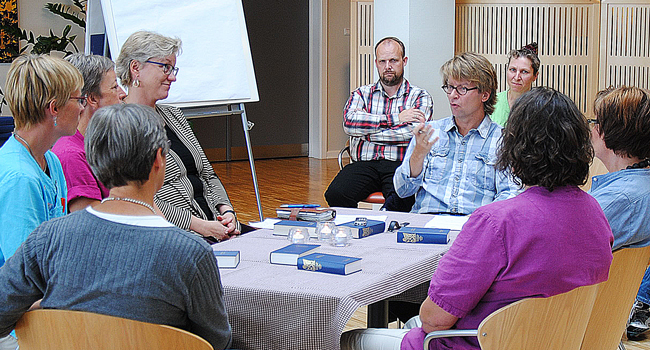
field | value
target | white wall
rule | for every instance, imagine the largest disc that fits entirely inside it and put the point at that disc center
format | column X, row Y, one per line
column 427, row 28
column 33, row 16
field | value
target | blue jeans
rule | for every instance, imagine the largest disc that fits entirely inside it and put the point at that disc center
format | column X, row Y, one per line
column 644, row 289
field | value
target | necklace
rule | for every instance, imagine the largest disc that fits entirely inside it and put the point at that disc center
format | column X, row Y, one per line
column 135, row 201
column 640, row 165
column 29, row 148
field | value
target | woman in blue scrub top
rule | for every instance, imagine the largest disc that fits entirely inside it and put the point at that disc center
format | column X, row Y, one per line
column 44, row 97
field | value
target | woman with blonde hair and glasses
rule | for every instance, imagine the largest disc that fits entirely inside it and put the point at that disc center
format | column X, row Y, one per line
column 44, row 96
column 192, row 197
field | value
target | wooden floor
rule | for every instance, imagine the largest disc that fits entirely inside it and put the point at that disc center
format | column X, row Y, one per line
column 295, row 180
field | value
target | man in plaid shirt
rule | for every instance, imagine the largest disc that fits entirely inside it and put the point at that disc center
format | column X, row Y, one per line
column 379, row 119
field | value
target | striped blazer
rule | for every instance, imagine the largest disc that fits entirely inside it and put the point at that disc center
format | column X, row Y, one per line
column 176, row 197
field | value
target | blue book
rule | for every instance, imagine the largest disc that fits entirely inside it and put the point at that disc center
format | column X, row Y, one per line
column 227, row 259
column 370, row 228
column 423, row 235
column 338, row 264
column 283, row 227
column 289, row 255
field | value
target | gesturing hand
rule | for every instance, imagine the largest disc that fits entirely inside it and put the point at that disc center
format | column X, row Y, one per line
column 423, row 138
column 423, row 142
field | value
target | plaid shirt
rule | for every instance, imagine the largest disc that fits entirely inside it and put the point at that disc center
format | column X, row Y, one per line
column 458, row 174
column 371, row 118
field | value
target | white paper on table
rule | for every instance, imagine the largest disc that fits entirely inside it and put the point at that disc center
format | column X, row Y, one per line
column 342, row 219
column 267, row 223
column 452, row 222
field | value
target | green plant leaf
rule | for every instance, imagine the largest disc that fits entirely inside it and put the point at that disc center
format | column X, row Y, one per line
column 66, row 13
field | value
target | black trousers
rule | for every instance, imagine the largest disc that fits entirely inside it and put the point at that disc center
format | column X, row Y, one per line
column 359, row 179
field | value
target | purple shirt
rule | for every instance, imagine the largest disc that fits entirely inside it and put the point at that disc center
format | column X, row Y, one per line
column 537, row 244
column 78, row 175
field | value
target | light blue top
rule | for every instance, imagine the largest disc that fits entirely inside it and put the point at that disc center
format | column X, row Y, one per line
column 28, row 196
column 625, row 198
column 458, row 174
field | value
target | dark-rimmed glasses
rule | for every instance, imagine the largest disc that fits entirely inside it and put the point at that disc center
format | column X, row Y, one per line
column 592, row 121
column 82, row 100
column 167, row 68
column 461, row 90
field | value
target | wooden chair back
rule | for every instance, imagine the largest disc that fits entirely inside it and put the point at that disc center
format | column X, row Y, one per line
column 557, row 322
column 69, row 330
column 615, row 299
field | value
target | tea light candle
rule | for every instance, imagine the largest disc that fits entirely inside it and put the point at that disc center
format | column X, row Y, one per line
column 297, row 235
column 342, row 237
column 324, row 230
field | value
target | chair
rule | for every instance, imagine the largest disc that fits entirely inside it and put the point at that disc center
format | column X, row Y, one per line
column 557, row 322
column 63, row 329
column 375, row 200
column 615, row 299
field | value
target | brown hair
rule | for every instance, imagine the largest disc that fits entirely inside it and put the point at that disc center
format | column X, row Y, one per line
column 623, row 116
column 530, row 52
column 546, row 141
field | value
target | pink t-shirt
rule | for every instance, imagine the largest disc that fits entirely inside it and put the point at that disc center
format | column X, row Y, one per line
column 537, row 244
column 78, row 175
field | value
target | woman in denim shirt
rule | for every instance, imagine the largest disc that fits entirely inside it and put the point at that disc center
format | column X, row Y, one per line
column 620, row 138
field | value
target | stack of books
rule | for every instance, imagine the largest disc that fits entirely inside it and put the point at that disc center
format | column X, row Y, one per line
column 306, row 214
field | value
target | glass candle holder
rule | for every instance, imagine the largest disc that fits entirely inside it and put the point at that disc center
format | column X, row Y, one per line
column 341, row 237
column 324, row 230
column 298, row 235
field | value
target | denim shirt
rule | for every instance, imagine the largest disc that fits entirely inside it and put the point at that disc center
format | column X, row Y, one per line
column 459, row 173
column 624, row 197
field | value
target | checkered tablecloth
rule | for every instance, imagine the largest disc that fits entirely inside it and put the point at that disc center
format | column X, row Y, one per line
column 280, row 307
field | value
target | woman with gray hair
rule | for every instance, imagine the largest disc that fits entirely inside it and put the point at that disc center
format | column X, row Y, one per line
column 101, row 89
column 192, row 196
column 119, row 258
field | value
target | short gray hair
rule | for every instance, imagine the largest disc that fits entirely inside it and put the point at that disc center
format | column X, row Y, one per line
column 93, row 68
column 121, row 143
column 141, row 46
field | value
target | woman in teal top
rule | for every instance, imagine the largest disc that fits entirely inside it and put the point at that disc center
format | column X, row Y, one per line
column 44, row 96
column 523, row 66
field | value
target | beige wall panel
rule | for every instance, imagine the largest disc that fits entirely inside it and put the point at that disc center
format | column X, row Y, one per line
column 567, row 34
column 338, row 73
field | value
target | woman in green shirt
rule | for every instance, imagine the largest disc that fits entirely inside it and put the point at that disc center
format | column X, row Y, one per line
column 523, row 66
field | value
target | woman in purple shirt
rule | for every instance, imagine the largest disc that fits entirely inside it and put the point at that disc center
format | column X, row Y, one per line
column 525, row 246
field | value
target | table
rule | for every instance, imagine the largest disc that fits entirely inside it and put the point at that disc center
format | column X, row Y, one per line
column 280, row 307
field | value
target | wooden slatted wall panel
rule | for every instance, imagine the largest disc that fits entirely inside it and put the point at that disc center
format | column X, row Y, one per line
column 567, row 34
column 625, row 50
column 361, row 43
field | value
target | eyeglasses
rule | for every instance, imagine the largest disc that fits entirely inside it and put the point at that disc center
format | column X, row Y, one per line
column 592, row 122
column 461, row 90
column 167, row 68
column 82, row 100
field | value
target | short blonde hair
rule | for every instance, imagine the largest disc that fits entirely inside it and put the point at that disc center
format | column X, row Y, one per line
column 477, row 69
column 33, row 81
column 141, row 46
